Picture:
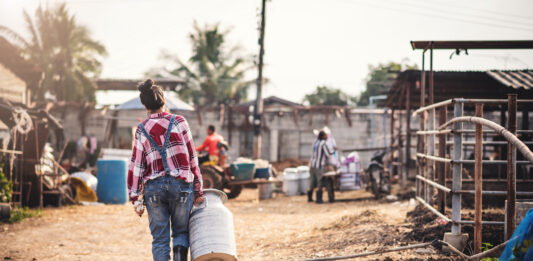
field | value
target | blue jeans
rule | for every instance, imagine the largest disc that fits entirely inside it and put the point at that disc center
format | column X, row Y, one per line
column 169, row 202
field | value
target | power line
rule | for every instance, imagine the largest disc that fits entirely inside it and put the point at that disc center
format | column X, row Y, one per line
column 489, row 11
column 441, row 16
column 431, row 7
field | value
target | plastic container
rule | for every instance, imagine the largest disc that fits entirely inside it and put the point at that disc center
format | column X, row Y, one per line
column 262, row 173
column 265, row 191
column 90, row 180
column 211, row 232
column 111, row 186
column 242, row 171
column 291, row 182
column 349, row 181
column 304, row 179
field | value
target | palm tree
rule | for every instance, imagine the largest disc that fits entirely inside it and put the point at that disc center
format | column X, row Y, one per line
column 64, row 51
column 213, row 75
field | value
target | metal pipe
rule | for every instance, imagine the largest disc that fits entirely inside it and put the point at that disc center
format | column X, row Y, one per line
column 491, row 162
column 502, row 101
column 377, row 252
column 433, row 158
column 436, row 212
column 462, row 100
column 490, row 142
column 489, row 131
column 493, row 193
column 434, row 105
column 441, row 167
column 405, row 168
column 457, row 169
column 511, row 168
column 434, row 184
column 478, row 177
column 501, row 130
column 433, row 132
column 469, row 222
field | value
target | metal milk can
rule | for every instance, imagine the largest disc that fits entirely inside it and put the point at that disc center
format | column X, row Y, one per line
column 211, row 232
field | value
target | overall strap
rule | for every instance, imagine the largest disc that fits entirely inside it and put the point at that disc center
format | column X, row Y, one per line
column 162, row 150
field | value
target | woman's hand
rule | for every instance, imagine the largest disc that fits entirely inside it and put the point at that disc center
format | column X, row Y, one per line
column 199, row 200
column 138, row 207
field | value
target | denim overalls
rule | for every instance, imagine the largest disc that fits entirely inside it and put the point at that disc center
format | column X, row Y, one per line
column 169, row 201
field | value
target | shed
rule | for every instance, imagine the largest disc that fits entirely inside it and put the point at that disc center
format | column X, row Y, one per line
column 17, row 75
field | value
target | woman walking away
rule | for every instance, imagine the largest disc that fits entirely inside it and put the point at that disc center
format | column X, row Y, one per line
column 164, row 170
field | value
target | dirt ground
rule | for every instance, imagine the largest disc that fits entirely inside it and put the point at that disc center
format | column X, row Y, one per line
column 282, row 228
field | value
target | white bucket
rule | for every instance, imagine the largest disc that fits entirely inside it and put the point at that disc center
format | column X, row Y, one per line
column 304, row 178
column 291, row 182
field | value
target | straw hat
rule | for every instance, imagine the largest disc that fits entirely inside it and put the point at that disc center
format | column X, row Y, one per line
column 325, row 129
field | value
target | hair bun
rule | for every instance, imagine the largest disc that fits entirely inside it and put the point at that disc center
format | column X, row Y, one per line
column 146, row 85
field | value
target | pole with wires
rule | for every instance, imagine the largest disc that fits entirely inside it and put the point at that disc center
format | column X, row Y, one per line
column 258, row 108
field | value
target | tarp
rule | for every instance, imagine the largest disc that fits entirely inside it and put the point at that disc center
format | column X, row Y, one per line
column 172, row 102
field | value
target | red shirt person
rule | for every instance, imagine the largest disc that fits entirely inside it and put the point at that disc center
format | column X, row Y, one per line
column 210, row 143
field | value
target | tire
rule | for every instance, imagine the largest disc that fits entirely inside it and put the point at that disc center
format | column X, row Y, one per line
column 385, row 186
column 211, row 178
column 330, row 189
column 65, row 199
column 372, row 172
column 233, row 191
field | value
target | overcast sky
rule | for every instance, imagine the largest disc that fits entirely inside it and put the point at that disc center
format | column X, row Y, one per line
column 308, row 42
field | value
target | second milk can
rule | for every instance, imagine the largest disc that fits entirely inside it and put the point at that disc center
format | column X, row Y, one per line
column 211, row 232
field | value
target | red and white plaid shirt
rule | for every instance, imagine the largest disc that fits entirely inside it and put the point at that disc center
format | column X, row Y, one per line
column 146, row 163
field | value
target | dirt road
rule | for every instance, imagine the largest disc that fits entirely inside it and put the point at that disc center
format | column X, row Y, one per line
column 283, row 228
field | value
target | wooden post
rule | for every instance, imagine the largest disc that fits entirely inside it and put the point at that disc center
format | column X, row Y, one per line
column 511, row 169
column 478, row 171
column 392, row 172
column 441, row 172
column 405, row 172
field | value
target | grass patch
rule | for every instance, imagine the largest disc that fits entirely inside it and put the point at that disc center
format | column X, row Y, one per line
column 18, row 214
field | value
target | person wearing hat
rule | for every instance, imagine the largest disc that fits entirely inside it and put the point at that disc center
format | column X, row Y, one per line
column 322, row 152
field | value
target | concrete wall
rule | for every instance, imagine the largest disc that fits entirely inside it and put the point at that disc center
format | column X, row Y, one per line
column 283, row 136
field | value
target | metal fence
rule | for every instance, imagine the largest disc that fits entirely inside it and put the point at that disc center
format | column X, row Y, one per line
column 433, row 168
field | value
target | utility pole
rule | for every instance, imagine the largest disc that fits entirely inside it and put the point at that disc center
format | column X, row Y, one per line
column 258, row 108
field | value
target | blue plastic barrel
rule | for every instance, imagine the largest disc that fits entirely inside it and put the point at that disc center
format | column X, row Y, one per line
column 112, row 181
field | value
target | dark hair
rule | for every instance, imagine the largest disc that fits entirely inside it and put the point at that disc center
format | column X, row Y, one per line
column 152, row 96
column 211, row 128
column 322, row 135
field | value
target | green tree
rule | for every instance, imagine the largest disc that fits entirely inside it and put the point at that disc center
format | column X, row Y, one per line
column 63, row 50
column 381, row 77
column 215, row 73
column 324, row 95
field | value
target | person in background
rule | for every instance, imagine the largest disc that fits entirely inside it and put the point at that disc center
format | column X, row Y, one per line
column 164, row 170
column 211, row 144
column 322, row 151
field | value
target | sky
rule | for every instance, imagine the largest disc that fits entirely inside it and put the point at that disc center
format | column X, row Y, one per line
column 307, row 42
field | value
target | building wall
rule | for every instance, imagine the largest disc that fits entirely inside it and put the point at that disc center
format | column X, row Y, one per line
column 12, row 88
column 282, row 137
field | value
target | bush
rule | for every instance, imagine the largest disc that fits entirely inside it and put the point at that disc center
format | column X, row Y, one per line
column 6, row 187
column 18, row 214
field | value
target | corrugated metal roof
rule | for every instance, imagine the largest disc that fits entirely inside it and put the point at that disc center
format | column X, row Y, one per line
column 460, row 84
column 514, row 79
column 172, row 102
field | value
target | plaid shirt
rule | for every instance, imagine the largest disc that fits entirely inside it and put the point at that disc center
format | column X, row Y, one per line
column 146, row 163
